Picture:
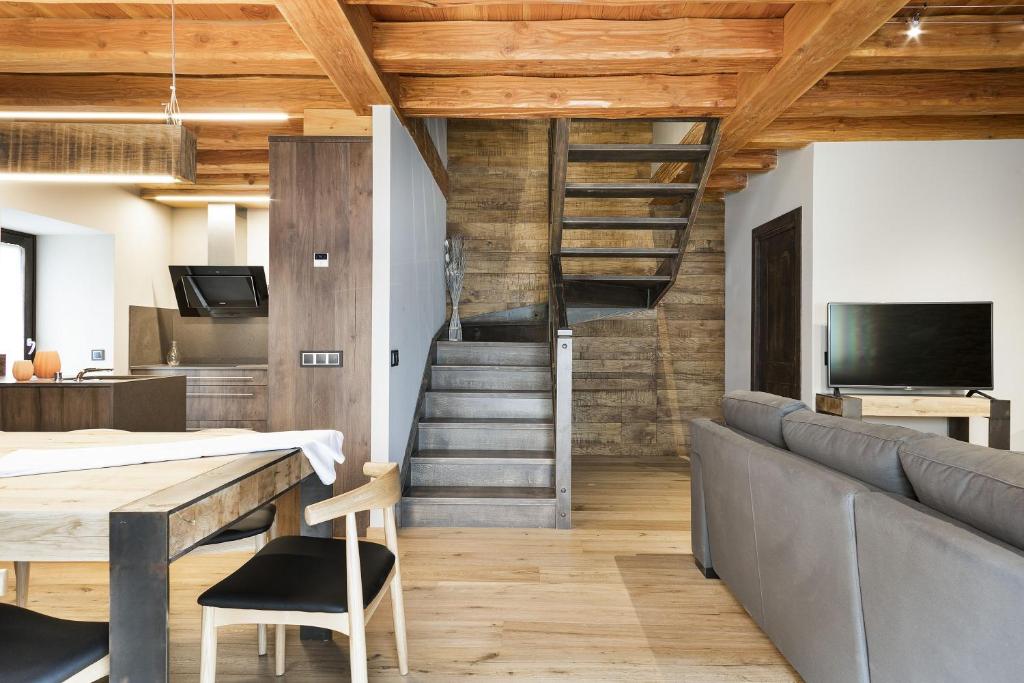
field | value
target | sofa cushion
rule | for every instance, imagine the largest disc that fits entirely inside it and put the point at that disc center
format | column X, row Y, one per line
column 759, row 414
column 983, row 487
column 865, row 451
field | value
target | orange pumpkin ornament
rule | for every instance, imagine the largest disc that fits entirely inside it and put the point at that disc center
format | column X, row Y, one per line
column 47, row 364
column 22, row 370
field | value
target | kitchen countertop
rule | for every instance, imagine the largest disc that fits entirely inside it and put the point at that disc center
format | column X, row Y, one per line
column 202, row 366
column 91, row 381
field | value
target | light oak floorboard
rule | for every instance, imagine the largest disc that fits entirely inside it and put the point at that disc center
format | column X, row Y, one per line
column 615, row 599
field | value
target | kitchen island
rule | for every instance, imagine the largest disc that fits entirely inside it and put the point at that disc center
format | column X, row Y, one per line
column 136, row 404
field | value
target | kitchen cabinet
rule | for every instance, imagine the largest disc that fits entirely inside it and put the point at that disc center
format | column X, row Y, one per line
column 219, row 395
column 135, row 404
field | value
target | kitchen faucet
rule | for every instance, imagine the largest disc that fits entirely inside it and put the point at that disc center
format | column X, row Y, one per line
column 82, row 373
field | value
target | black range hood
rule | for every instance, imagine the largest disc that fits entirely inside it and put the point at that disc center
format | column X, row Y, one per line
column 220, row 291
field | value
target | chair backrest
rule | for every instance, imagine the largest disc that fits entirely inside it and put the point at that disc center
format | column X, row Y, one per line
column 383, row 491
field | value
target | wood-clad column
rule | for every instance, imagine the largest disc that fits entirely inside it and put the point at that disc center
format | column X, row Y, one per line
column 321, row 191
column 321, row 201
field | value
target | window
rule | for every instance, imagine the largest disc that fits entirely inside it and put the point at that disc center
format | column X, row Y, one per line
column 17, row 295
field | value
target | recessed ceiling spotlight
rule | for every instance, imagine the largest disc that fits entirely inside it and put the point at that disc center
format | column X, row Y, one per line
column 914, row 26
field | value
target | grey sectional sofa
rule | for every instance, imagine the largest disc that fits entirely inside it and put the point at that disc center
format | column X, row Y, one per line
column 866, row 552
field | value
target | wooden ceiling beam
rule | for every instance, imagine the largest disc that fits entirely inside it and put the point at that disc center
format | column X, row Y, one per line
column 226, row 182
column 953, row 93
column 108, row 92
column 339, row 37
column 143, row 46
column 793, row 133
column 534, row 97
column 233, row 161
column 947, row 43
column 442, row 4
column 816, row 39
column 242, row 135
column 577, row 47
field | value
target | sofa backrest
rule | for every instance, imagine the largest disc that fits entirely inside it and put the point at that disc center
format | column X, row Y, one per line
column 982, row 487
column 759, row 414
column 864, row 451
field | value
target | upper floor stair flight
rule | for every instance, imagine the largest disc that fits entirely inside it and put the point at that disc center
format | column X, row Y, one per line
column 579, row 277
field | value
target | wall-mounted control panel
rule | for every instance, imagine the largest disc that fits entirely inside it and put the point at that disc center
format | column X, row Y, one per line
column 321, row 359
column 98, row 354
column 321, row 259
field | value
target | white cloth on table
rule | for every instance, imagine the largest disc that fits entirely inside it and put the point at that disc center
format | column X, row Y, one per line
column 322, row 447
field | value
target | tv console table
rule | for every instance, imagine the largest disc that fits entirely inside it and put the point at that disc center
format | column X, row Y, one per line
column 956, row 409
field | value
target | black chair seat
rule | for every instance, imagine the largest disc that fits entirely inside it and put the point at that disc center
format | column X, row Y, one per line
column 301, row 574
column 35, row 648
column 259, row 522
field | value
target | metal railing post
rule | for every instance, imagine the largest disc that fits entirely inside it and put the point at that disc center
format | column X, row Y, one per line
column 563, row 427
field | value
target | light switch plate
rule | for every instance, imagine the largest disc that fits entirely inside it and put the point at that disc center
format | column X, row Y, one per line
column 321, row 359
column 98, row 354
column 394, row 358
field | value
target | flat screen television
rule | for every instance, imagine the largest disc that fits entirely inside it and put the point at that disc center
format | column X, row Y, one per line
column 910, row 345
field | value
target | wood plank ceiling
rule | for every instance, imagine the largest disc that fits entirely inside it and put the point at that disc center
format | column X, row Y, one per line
column 782, row 74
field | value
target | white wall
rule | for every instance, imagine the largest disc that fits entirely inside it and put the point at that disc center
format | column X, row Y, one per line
column 188, row 240
column 925, row 221
column 768, row 196
column 75, row 308
column 408, row 289
column 142, row 241
column 258, row 241
column 892, row 221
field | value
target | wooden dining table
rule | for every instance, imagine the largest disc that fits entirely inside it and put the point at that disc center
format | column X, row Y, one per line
column 141, row 518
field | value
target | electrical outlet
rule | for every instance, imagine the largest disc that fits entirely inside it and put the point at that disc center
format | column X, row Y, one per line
column 321, row 359
column 394, row 358
column 98, row 354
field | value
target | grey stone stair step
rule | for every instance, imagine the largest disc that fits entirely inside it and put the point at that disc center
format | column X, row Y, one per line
column 483, row 468
column 493, row 353
column 638, row 152
column 622, row 223
column 491, row 377
column 475, row 506
column 467, row 494
column 485, row 434
column 626, row 190
column 488, row 404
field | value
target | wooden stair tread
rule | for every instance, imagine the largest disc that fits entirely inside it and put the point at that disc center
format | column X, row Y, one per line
column 461, row 454
column 622, row 223
column 637, row 190
column 638, row 152
column 619, row 252
column 531, row 494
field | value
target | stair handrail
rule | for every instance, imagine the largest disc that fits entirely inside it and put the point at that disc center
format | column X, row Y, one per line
column 559, row 334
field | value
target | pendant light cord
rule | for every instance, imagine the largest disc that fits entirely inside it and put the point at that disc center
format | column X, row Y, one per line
column 171, row 109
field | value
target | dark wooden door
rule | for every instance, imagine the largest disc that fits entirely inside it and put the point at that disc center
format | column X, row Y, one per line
column 775, row 324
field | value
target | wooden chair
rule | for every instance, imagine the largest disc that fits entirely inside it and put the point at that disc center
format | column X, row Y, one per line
column 35, row 647
column 328, row 583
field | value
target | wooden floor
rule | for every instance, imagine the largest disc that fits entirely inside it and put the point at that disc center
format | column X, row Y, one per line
column 616, row 599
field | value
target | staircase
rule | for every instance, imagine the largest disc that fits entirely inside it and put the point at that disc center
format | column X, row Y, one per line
column 485, row 450
column 642, row 275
